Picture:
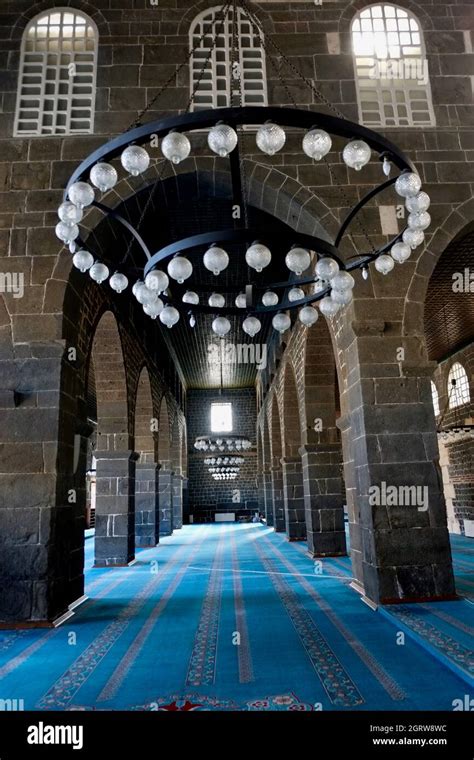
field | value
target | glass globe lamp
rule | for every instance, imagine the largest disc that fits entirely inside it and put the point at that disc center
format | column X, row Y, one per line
column 408, row 185
column 67, row 232
column 400, row 252
column 296, row 294
column 419, row 220
column 241, row 301
column 180, row 269
column 356, row 154
column 417, row 203
column 316, row 144
column 69, row 213
column 83, row 260
column 413, row 238
column 258, row 256
column 326, row 268
column 135, row 160
column 281, row 322
column 157, row 280
column 118, row 282
column 298, row 260
column 191, row 297
column 328, row 306
column 222, row 139
column 216, row 300
column 169, row 316
column 103, row 176
column 154, row 309
column 221, row 326
column 270, row 138
column 384, row 263
column 269, row 298
column 81, row 194
column 251, row 326
column 216, row 259
column 99, row 272
column 175, row 147
column 308, row 316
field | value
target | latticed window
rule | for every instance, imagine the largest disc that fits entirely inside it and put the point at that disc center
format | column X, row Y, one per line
column 458, row 386
column 391, row 68
column 214, row 78
column 56, row 90
column 435, row 397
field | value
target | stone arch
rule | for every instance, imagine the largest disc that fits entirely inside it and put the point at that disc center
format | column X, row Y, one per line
column 276, row 472
column 321, row 453
column 292, row 465
column 146, row 476
column 348, row 13
column 166, row 469
column 188, row 17
column 115, row 459
column 45, row 5
column 177, row 472
column 266, row 473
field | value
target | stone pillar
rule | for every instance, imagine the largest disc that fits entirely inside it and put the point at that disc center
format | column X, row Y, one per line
column 185, row 501
column 274, row 493
column 323, row 498
column 399, row 539
column 177, row 510
column 115, row 508
column 261, row 501
column 166, row 498
column 147, row 514
column 294, row 498
column 268, row 497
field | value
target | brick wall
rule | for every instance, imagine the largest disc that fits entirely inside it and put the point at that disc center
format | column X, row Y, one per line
column 206, row 495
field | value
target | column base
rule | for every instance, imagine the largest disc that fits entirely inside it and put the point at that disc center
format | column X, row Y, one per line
column 105, row 563
column 18, row 625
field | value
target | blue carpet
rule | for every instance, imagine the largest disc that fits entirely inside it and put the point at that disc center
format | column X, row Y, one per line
column 233, row 617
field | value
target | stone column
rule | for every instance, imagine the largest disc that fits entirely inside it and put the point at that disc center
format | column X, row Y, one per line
column 166, row 498
column 294, row 498
column 115, row 508
column 265, row 489
column 177, row 510
column 323, row 498
column 262, row 505
column 274, row 494
column 185, row 501
column 399, row 539
column 147, row 514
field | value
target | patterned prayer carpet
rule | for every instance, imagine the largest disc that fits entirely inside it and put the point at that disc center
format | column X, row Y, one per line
column 233, row 617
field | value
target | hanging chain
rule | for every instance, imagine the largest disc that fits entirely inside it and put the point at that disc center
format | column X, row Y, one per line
column 137, row 122
column 323, row 100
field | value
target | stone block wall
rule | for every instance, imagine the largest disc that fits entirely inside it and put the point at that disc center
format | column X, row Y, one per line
column 206, row 495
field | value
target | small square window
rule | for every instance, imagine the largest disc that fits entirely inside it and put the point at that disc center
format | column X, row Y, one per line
column 221, row 418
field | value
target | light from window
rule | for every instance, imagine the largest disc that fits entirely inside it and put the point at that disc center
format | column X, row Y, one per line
column 56, row 88
column 391, row 68
column 458, row 386
column 435, row 397
column 221, row 418
column 211, row 74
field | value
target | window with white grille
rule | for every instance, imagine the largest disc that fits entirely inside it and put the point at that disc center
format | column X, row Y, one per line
column 221, row 418
column 435, row 397
column 458, row 386
column 211, row 66
column 391, row 68
column 56, row 89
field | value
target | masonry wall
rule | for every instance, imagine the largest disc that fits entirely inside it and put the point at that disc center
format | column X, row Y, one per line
column 206, row 495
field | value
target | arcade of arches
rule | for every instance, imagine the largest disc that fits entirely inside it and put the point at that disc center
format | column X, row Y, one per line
column 100, row 482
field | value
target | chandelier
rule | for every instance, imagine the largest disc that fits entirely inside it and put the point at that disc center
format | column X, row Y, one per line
column 318, row 274
column 229, row 443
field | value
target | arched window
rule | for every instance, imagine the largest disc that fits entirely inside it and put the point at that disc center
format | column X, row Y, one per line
column 458, row 386
column 391, row 69
column 56, row 88
column 435, row 397
column 211, row 66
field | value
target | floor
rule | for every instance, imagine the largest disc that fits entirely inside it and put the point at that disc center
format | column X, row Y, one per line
column 233, row 617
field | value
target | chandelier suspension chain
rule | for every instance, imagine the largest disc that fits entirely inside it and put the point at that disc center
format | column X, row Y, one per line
column 324, row 100
column 138, row 121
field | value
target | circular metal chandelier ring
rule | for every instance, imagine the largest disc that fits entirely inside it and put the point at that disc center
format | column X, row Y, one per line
column 289, row 117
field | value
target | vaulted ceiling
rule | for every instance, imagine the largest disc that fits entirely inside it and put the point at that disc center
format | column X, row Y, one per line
column 449, row 313
column 178, row 208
